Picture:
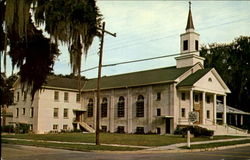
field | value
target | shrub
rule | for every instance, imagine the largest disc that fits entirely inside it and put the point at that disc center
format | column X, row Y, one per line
column 195, row 130
column 22, row 128
column 8, row 128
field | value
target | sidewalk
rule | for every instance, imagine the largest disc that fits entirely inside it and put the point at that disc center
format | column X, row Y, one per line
column 174, row 147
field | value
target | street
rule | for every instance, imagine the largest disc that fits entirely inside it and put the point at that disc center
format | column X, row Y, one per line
column 17, row 152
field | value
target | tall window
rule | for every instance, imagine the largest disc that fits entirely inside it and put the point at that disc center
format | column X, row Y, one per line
column 183, row 112
column 31, row 112
column 183, row 96
column 56, row 112
column 24, row 96
column 208, row 99
column 158, row 96
column 55, row 126
column 66, row 96
column 90, row 108
column 104, row 107
column 121, row 110
column 65, row 127
column 56, row 96
column 208, row 114
column 65, row 113
column 185, row 45
column 17, row 112
column 158, row 112
column 196, row 97
column 77, row 97
column 140, row 106
column 23, row 111
column 196, row 45
column 17, row 97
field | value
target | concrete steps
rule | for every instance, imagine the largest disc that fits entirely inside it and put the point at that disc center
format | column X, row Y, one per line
column 86, row 127
column 225, row 130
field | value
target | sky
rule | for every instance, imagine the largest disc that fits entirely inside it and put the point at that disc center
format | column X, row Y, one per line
column 150, row 28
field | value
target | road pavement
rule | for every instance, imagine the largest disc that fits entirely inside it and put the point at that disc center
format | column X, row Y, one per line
column 18, row 152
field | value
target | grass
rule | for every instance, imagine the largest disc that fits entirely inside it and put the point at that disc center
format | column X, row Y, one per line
column 112, row 138
column 78, row 147
column 218, row 144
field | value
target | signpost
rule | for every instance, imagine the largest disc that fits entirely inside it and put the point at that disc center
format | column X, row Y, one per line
column 192, row 118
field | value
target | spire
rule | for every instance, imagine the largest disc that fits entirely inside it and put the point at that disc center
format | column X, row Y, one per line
column 190, row 24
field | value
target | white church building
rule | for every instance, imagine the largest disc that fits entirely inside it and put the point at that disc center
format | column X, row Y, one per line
column 155, row 101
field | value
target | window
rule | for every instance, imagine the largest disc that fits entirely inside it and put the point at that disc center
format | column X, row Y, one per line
column 65, row 127
column 140, row 130
column 158, row 112
column 17, row 112
column 140, row 106
column 196, row 45
column 104, row 128
column 77, row 97
column 31, row 112
column 158, row 130
column 66, row 96
column 90, row 108
column 65, row 113
column 17, row 97
column 183, row 96
column 158, row 96
column 24, row 96
column 196, row 98
column 120, row 129
column 56, row 112
column 208, row 99
column 183, row 112
column 185, row 45
column 56, row 96
column 210, row 80
column 55, row 126
column 104, row 107
column 120, row 109
column 23, row 111
column 208, row 114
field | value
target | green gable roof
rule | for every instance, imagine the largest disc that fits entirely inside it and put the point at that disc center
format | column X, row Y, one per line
column 63, row 82
column 154, row 76
column 193, row 78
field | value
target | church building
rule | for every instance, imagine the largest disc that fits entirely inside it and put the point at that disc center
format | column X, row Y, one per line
column 150, row 101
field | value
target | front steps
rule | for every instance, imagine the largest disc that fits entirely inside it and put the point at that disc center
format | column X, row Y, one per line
column 86, row 127
column 225, row 130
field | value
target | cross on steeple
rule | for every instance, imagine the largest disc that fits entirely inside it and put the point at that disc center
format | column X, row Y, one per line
column 190, row 4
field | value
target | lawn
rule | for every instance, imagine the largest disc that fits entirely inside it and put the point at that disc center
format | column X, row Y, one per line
column 218, row 144
column 78, row 147
column 112, row 138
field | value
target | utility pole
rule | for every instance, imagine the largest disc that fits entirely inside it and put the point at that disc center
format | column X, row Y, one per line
column 98, row 83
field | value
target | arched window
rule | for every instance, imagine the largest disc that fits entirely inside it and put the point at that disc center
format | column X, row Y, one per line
column 140, row 106
column 90, row 107
column 120, row 109
column 104, row 107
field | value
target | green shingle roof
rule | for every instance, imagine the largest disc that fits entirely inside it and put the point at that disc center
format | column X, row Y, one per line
column 137, row 78
column 62, row 82
column 193, row 78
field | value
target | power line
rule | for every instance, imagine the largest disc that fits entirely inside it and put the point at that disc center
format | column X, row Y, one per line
column 138, row 60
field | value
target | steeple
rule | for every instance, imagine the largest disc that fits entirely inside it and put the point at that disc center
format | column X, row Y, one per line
column 190, row 24
column 189, row 45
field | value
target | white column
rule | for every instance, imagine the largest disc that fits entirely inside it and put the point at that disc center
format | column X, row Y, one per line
column 224, row 110
column 215, row 110
column 129, row 111
column 241, row 120
column 236, row 119
column 203, row 108
column 191, row 100
column 111, row 112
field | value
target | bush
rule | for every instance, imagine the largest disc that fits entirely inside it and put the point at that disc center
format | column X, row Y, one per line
column 195, row 130
column 22, row 128
column 8, row 128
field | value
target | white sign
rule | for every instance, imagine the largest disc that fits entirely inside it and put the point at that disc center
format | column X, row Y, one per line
column 193, row 117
